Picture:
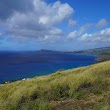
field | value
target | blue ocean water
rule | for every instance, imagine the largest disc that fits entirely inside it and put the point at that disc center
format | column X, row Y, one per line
column 19, row 65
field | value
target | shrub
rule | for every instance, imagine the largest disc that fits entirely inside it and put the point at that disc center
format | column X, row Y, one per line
column 44, row 106
column 59, row 91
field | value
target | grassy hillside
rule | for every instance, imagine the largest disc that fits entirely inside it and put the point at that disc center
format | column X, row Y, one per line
column 86, row 88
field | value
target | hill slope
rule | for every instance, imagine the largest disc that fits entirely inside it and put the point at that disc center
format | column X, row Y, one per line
column 86, row 88
column 102, row 54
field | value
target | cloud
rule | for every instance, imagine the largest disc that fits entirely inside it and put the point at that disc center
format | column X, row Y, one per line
column 0, row 34
column 78, row 32
column 101, row 36
column 54, row 13
column 72, row 35
column 34, row 19
column 72, row 23
column 85, row 36
column 9, row 7
column 101, row 23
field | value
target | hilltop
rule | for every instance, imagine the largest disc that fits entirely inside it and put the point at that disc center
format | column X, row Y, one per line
column 85, row 88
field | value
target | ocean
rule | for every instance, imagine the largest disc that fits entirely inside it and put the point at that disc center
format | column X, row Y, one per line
column 19, row 65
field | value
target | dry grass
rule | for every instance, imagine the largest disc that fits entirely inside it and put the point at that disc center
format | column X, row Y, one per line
column 86, row 88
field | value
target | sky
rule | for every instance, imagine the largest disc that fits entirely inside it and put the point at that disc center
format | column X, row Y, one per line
column 54, row 25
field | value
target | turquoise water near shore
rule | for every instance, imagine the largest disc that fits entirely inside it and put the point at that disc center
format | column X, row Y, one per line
column 19, row 65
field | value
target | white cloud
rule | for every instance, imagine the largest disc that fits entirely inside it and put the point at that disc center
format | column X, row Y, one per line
column 101, row 23
column 71, row 22
column 40, row 22
column 52, row 14
column 84, row 28
column 72, row 35
column 101, row 36
column 84, row 37
column 78, row 32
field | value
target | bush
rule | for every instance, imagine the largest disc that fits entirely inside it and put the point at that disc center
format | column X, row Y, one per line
column 45, row 106
column 59, row 92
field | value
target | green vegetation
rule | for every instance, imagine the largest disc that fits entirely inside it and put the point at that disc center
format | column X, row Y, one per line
column 86, row 88
column 102, row 54
column 105, row 56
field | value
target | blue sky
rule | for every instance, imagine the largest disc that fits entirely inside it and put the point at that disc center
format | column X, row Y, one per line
column 55, row 25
